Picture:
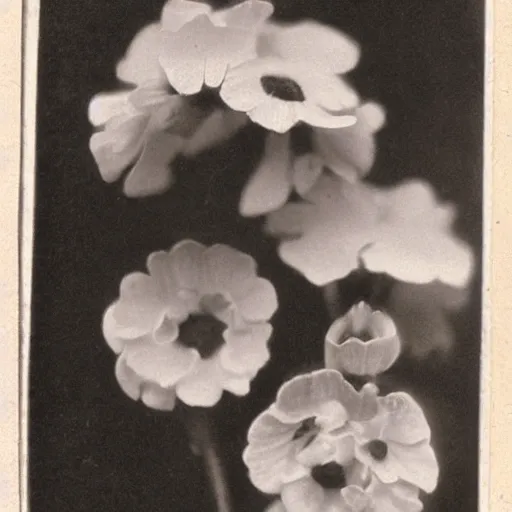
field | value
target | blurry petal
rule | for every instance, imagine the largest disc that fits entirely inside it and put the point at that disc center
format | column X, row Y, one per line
column 270, row 185
column 421, row 313
column 350, row 151
column 140, row 63
column 217, row 128
column 202, row 387
column 335, row 221
column 276, row 506
column 158, row 398
column 152, row 174
column 129, row 381
column 162, row 363
column 398, row 497
column 303, row 495
column 415, row 242
column 311, row 43
column 110, row 334
column 177, row 13
column 237, row 386
column 118, row 145
column 249, row 14
column 245, row 351
column 106, row 106
column 186, row 262
column 306, row 171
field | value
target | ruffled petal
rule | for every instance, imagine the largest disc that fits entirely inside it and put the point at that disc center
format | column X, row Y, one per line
column 109, row 327
column 316, row 116
column 152, row 174
column 246, row 351
column 128, row 380
column 312, row 43
column 405, row 420
column 270, row 455
column 270, row 185
column 162, row 363
column 303, row 495
column 140, row 63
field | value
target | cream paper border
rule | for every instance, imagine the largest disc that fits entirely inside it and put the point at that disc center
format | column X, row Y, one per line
column 496, row 417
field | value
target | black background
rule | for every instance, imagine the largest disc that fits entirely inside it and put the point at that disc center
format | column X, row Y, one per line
column 92, row 448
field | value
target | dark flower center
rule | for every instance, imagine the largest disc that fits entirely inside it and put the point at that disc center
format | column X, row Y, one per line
column 282, row 87
column 329, row 476
column 307, row 426
column 378, row 449
column 202, row 332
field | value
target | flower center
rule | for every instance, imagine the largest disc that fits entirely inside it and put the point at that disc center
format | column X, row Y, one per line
column 378, row 449
column 202, row 332
column 329, row 476
column 282, row 87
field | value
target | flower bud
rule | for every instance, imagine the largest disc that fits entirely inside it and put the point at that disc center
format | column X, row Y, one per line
column 363, row 342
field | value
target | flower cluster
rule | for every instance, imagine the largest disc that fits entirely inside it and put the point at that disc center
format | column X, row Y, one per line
column 198, row 75
column 195, row 325
column 323, row 446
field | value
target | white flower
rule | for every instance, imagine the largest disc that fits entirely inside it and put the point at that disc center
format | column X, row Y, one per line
column 362, row 342
column 196, row 325
column 302, row 447
column 132, row 133
column 395, row 444
column 201, row 51
column 277, row 94
column 310, row 43
column 401, row 231
column 348, row 152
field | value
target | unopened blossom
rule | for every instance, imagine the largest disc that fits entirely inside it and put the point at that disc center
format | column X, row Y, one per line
column 201, row 51
column 362, row 342
column 278, row 93
column 395, row 444
column 302, row 447
column 402, row 231
column 194, row 325
column 348, row 152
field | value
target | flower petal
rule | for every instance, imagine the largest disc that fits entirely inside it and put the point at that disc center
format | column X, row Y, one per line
column 312, row 43
column 350, row 151
column 270, row 455
column 140, row 307
column 303, row 495
column 270, row 185
column 217, row 128
column 177, row 13
column 415, row 464
column 140, row 63
column 130, row 382
column 256, row 300
column 249, row 14
column 109, row 327
column 158, row 398
column 162, row 363
column 203, row 386
column 106, row 106
column 396, row 497
column 306, row 171
column 151, row 174
column 303, row 396
column 245, row 351
column 356, row 499
column 276, row 115
column 405, row 420
column 118, row 145
column 186, row 263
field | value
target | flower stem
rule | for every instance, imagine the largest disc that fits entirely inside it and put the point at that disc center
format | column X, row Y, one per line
column 332, row 299
column 204, row 442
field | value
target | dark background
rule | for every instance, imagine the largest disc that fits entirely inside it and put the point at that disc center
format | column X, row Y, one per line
column 92, row 448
